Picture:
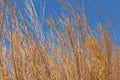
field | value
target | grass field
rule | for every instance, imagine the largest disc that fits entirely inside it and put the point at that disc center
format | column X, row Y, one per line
column 72, row 51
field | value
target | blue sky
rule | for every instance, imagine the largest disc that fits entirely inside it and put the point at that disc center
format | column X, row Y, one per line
column 109, row 10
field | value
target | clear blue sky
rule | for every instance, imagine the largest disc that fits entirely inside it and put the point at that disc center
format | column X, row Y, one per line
column 109, row 10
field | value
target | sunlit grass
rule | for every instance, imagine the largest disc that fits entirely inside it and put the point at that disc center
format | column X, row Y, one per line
column 71, row 51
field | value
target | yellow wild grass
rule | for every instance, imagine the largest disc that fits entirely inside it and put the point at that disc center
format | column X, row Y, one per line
column 71, row 51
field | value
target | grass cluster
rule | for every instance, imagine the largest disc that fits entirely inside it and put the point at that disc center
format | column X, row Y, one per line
column 72, row 51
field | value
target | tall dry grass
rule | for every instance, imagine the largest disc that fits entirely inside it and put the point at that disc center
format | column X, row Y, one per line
column 71, row 51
